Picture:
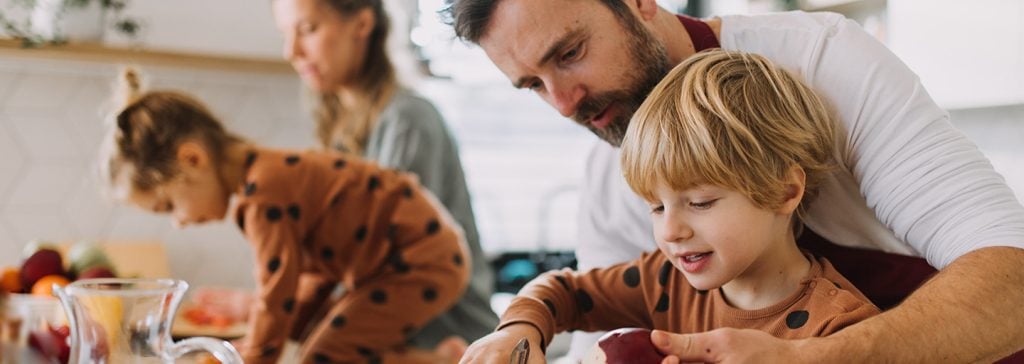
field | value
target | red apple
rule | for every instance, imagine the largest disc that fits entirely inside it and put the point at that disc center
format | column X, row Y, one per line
column 41, row 264
column 624, row 346
column 97, row 272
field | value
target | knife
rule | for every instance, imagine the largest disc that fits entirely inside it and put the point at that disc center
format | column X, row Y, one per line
column 520, row 353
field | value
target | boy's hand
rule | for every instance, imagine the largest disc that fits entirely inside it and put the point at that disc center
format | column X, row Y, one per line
column 496, row 348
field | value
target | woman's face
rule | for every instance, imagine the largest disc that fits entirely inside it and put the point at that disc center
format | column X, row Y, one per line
column 325, row 47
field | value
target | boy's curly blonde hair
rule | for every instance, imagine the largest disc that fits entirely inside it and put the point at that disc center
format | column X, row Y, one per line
column 729, row 119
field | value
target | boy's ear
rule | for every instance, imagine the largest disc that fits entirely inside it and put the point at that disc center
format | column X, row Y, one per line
column 795, row 183
column 192, row 155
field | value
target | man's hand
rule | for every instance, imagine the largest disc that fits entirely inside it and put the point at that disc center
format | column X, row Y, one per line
column 726, row 346
column 497, row 347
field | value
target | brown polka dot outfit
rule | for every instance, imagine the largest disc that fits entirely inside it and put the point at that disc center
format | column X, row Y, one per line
column 325, row 217
column 651, row 293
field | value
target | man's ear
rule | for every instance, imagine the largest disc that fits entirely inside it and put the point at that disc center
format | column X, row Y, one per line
column 795, row 184
column 647, row 9
column 192, row 155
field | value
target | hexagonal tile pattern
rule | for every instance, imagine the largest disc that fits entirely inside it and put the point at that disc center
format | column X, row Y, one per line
column 254, row 119
column 8, row 81
column 224, row 100
column 12, row 160
column 28, row 223
column 86, row 112
column 10, row 248
column 131, row 223
column 40, row 93
column 46, row 184
column 46, row 138
column 88, row 209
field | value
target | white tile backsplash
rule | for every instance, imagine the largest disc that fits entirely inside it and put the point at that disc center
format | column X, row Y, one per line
column 45, row 183
column 51, row 126
column 41, row 93
column 12, row 159
column 10, row 247
column 27, row 223
column 89, row 211
column 46, row 136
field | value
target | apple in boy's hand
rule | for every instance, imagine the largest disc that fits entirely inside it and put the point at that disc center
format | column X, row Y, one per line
column 621, row 346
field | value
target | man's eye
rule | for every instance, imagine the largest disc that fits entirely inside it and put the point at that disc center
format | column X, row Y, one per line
column 535, row 85
column 571, row 54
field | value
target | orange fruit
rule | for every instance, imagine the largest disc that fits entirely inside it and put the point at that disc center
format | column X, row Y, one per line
column 10, row 281
column 44, row 286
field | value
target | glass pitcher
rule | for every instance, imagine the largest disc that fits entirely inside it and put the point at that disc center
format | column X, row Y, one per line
column 129, row 321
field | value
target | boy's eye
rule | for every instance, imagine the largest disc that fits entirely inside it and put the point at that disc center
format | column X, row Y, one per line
column 534, row 85
column 704, row 205
column 657, row 209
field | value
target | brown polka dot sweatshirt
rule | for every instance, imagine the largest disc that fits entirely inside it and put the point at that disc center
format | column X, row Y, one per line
column 341, row 219
column 651, row 293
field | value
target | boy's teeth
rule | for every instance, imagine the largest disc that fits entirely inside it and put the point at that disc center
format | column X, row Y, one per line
column 695, row 257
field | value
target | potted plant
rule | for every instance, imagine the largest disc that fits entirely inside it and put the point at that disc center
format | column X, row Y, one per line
column 60, row 21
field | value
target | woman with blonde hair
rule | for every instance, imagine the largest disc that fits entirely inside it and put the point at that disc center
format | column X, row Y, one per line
column 338, row 47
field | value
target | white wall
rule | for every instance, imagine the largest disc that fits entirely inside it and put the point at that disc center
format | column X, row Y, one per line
column 232, row 27
column 968, row 53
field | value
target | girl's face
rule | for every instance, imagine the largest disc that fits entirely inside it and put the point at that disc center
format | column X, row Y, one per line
column 196, row 195
column 716, row 235
column 325, row 47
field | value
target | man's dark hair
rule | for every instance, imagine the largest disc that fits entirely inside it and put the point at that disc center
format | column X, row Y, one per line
column 469, row 18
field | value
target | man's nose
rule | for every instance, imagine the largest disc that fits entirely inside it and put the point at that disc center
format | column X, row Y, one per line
column 566, row 97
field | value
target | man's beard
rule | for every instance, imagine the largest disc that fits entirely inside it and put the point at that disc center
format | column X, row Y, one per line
column 650, row 59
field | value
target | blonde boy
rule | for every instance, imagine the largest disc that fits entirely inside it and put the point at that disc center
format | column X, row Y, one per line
column 727, row 150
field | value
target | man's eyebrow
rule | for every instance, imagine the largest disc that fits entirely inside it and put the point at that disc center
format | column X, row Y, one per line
column 564, row 41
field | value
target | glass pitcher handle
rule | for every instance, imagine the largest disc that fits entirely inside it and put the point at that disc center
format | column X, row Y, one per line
column 222, row 350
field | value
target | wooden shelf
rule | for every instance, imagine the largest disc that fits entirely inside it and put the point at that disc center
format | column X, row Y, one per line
column 106, row 54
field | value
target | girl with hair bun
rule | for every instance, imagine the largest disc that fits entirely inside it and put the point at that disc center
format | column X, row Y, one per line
column 315, row 213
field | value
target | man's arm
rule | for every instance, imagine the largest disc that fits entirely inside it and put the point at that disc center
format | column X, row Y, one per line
column 971, row 311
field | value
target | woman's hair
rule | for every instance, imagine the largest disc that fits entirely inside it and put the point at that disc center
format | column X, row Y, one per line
column 375, row 81
column 733, row 120
column 148, row 128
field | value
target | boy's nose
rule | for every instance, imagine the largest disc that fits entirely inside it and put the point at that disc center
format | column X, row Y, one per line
column 676, row 231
